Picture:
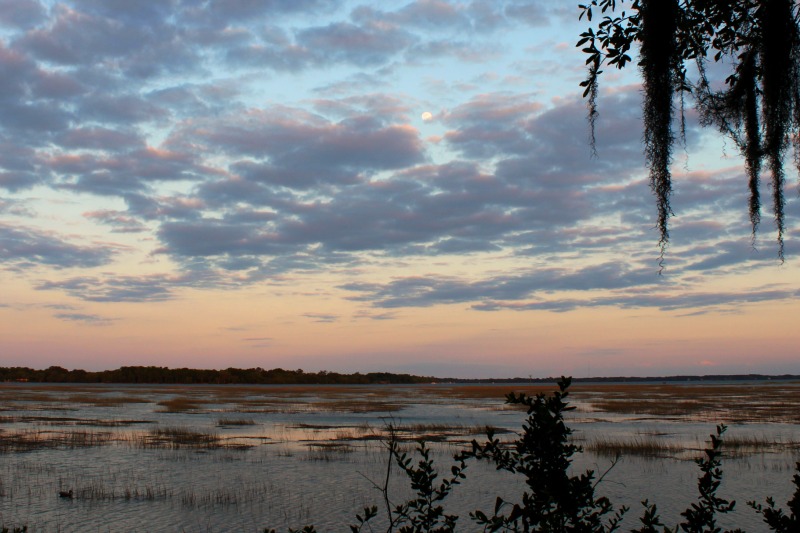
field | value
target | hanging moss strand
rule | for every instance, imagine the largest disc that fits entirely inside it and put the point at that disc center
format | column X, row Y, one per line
column 778, row 33
column 752, row 148
column 658, row 61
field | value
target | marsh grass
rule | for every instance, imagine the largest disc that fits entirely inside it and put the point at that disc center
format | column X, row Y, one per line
column 486, row 391
column 113, row 423
column 103, row 400
column 438, row 432
column 70, row 394
column 733, row 403
column 326, row 451
column 180, row 404
column 44, row 420
column 652, row 407
column 638, row 446
column 222, row 422
column 742, row 445
column 70, row 421
column 99, row 491
column 179, row 437
column 351, row 405
column 226, row 496
column 33, row 439
column 737, row 402
column 85, row 439
column 431, row 432
column 30, row 397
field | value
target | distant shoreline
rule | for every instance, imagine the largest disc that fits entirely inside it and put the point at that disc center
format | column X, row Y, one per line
column 279, row 376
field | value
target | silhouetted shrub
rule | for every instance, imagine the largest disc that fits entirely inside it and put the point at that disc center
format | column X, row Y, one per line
column 554, row 499
column 776, row 519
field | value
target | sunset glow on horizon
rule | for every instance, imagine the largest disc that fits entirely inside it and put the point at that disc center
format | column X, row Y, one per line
column 352, row 185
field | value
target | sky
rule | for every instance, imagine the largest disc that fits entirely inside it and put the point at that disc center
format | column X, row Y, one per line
column 346, row 185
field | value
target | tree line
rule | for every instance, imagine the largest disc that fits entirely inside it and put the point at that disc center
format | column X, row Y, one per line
column 232, row 376
column 279, row 376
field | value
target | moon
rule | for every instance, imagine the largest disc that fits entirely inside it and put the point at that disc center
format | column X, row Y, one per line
column 427, row 115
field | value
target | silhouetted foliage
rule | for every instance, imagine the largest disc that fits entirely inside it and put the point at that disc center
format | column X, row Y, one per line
column 701, row 516
column 650, row 519
column 424, row 513
column 554, row 500
column 758, row 105
column 776, row 518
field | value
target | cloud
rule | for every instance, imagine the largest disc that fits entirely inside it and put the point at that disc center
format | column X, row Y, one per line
column 309, row 185
column 84, row 318
column 121, row 109
column 215, row 237
column 467, row 51
column 376, row 316
column 322, row 317
column 21, row 14
column 119, row 221
column 224, row 13
column 426, row 14
column 387, row 215
column 369, row 44
column 18, row 168
column 138, row 42
column 24, row 247
column 386, row 108
column 700, row 302
column 289, row 145
column 717, row 255
column 191, row 100
column 538, row 13
column 152, row 288
column 435, row 290
column 258, row 342
column 549, row 143
column 281, row 148
column 126, row 173
column 439, row 16
column 100, row 138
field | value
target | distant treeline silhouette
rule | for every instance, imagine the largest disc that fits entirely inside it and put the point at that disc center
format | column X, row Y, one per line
column 279, row 376
column 234, row 376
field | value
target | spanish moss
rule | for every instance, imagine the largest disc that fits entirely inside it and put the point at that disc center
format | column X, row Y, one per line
column 658, row 61
column 759, row 107
column 752, row 148
column 778, row 72
column 735, row 112
column 591, row 91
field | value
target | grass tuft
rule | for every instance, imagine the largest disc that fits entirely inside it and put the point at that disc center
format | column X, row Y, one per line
column 640, row 446
column 236, row 422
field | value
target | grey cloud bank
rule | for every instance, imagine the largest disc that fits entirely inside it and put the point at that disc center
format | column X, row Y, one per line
column 247, row 141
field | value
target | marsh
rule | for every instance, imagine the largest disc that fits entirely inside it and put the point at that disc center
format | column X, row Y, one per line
column 242, row 458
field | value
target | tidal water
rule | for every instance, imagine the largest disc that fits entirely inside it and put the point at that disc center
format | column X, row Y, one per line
column 201, row 458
